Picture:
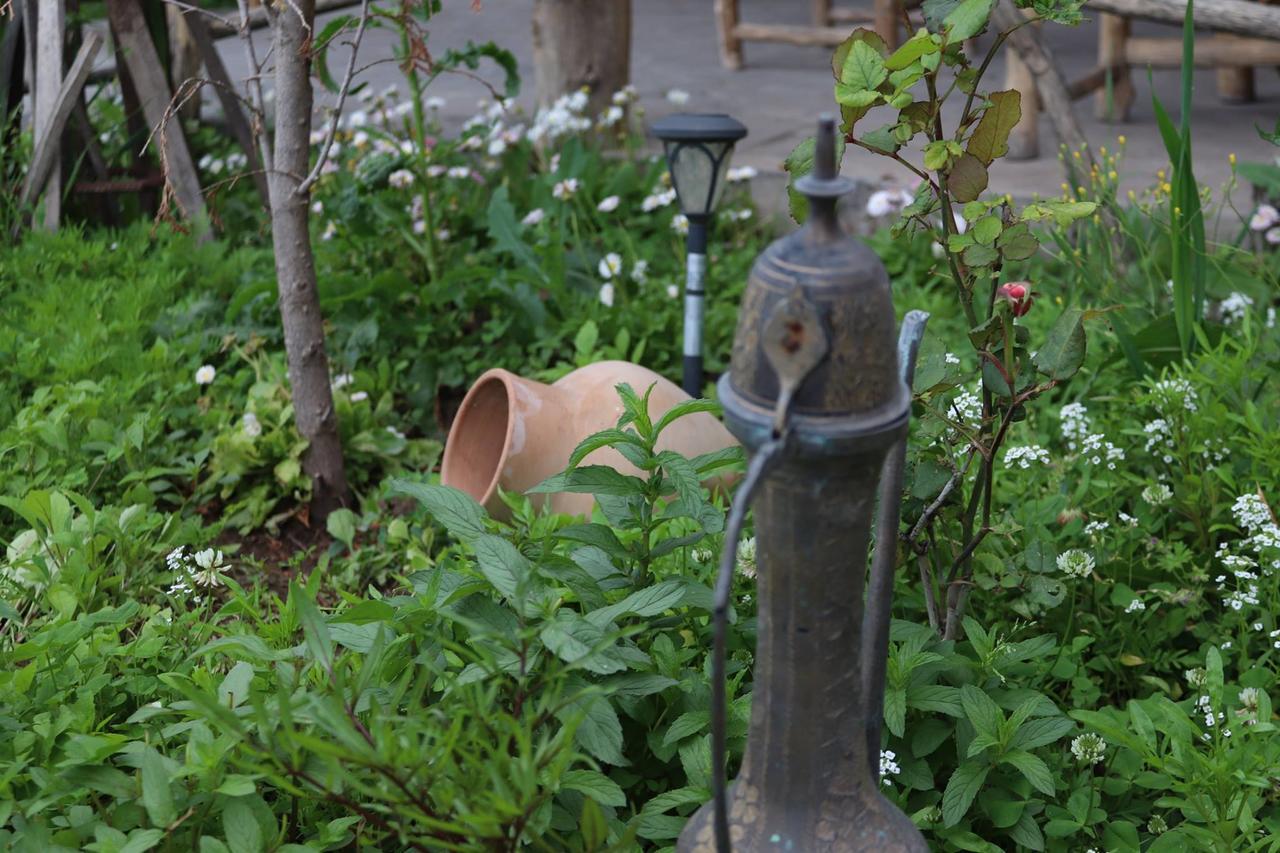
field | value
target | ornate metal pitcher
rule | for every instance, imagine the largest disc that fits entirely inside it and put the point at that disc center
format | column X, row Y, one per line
column 817, row 393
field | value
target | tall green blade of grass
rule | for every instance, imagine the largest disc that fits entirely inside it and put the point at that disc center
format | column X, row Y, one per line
column 1186, row 218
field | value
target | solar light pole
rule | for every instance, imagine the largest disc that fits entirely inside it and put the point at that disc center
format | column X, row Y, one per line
column 698, row 147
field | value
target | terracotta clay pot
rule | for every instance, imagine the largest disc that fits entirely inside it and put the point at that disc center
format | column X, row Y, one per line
column 513, row 433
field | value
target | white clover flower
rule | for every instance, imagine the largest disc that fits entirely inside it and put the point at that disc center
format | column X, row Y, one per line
column 888, row 765
column 1023, row 457
column 359, row 396
column 610, row 265
column 737, row 174
column 436, row 170
column 1234, row 307
column 1076, row 563
column 747, row 556
column 400, row 179
column 611, row 116
column 251, row 425
column 1264, row 218
column 1196, row 677
column 534, row 216
column 606, row 294
column 673, row 291
column 1134, row 606
column 887, row 201
column 205, row 374
column 608, row 204
column 680, row 224
column 640, row 271
column 679, row 97
column 1157, row 494
column 1089, row 748
column 565, row 189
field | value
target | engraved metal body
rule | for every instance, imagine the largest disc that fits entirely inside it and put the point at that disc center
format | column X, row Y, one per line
column 815, row 372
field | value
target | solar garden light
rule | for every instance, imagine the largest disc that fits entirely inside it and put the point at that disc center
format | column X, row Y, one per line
column 819, row 394
column 698, row 148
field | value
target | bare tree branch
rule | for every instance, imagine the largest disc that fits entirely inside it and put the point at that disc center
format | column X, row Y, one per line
column 309, row 181
column 253, row 86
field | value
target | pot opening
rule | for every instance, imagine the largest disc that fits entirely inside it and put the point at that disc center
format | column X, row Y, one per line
column 477, row 444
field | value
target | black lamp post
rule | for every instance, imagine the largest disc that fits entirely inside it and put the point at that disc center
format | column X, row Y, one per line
column 698, row 148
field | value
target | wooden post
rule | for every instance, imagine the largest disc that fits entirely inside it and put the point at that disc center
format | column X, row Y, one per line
column 50, row 31
column 1024, row 139
column 184, row 59
column 1235, row 85
column 135, row 48
column 1242, row 17
column 1113, row 33
column 727, row 25
column 887, row 18
column 581, row 43
column 821, row 12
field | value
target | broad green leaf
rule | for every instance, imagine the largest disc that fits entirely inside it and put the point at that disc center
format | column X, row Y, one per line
column 650, row 601
column 637, row 684
column 599, row 731
column 967, row 178
column 911, row 50
column 453, row 508
column 980, row 710
column 963, row 786
column 241, row 828
column 157, row 797
column 245, row 645
column 990, row 139
column 1027, row 833
column 1017, row 243
column 595, row 785
column 1063, row 213
column 871, row 37
column 1035, row 770
column 604, row 438
column 341, row 525
column 800, row 163
column 863, row 68
column 1063, row 351
column 987, row 229
column 684, row 409
column 688, row 724
column 504, row 230
column 1040, row 732
column 966, row 20
column 895, row 711
column 684, row 477
column 235, row 686
column 593, row 480
column 314, row 628
column 857, row 99
column 575, row 640
column 501, row 563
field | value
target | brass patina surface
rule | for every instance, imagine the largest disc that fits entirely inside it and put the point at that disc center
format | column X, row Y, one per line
column 806, row 783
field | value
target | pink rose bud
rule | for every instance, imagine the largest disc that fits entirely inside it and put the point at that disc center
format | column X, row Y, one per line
column 1019, row 295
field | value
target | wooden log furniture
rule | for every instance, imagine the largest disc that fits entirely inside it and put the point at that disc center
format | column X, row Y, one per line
column 829, row 26
column 1244, row 35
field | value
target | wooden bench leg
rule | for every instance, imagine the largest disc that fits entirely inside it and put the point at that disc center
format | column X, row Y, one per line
column 1113, row 31
column 821, row 13
column 727, row 24
column 887, row 17
column 1235, row 85
column 1024, row 139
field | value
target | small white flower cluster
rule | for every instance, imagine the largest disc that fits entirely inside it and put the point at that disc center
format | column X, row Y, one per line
column 738, row 174
column 1159, row 439
column 658, row 199
column 1234, row 307
column 680, row 224
column 201, row 570
column 1023, row 457
column 679, row 97
column 563, row 117
column 888, row 766
column 1204, row 705
column 1157, row 494
column 951, row 358
column 747, row 556
column 1135, row 606
column 888, row 201
column 741, row 215
column 1075, row 424
column 1171, row 394
column 1096, row 449
column 1266, row 219
column 1251, row 512
column 217, row 165
column 1089, row 748
column 1076, row 563
column 967, row 408
column 1095, row 528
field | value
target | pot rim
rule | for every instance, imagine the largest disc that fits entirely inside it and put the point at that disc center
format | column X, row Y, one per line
column 494, row 374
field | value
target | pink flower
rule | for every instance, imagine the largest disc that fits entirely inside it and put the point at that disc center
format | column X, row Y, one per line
column 1019, row 296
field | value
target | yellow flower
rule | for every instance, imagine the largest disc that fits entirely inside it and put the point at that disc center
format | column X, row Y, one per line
column 1121, row 139
column 1231, row 158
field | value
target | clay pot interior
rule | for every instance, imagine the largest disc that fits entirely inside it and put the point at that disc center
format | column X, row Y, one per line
column 474, row 456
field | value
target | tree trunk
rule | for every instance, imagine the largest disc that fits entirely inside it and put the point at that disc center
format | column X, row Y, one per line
column 579, row 43
column 295, row 263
